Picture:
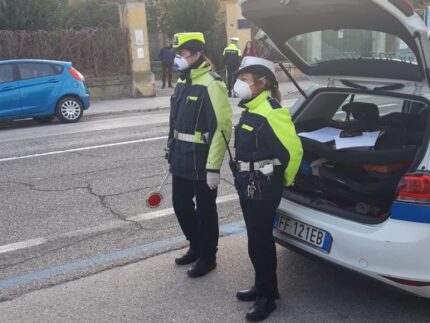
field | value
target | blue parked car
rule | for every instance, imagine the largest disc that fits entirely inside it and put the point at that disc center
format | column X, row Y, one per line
column 42, row 90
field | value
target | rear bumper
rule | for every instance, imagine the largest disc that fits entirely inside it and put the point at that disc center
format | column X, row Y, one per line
column 85, row 96
column 394, row 249
column 86, row 100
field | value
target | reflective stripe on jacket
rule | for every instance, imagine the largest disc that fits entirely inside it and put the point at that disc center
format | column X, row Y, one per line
column 199, row 105
column 266, row 131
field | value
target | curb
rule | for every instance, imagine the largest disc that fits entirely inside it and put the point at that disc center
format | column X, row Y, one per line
column 96, row 114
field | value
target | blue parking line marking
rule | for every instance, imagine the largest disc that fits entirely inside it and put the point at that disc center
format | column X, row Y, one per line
column 235, row 228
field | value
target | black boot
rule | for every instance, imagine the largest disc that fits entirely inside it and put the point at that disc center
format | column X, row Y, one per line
column 201, row 268
column 261, row 309
column 190, row 256
column 250, row 295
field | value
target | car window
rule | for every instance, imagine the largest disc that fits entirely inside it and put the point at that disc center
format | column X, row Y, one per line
column 6, row 73
column 385, row 104
column 318, row 47
column 57, row 69
column 33, row 70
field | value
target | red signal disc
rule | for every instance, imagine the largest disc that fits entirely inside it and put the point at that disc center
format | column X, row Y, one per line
column 154, row 199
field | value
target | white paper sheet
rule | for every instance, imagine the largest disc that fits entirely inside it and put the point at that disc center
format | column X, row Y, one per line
column 368, row 139
column 322, row 135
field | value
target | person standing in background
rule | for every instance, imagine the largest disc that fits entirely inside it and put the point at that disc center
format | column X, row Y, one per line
column 232, row 57
column 166, row 57
column 249, row 50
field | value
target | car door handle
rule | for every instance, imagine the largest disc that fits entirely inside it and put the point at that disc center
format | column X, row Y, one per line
column 54, row 80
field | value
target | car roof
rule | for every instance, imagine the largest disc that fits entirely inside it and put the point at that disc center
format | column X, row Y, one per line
column 35, row 61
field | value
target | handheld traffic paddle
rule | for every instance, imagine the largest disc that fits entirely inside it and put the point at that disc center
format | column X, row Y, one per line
column 154, row 198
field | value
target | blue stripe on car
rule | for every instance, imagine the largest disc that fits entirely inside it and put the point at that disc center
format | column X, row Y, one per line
column 276, row 221
column 410, row 212
column 327, row 242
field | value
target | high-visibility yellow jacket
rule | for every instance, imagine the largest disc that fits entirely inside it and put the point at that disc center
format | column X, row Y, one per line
column 266, row 132
column 200, row 108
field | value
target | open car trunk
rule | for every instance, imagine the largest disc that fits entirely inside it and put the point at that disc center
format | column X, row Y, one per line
column 358, row 181
column 370, row 58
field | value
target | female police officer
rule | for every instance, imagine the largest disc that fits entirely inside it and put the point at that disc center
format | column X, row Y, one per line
column 268, row 154
column 199, row 118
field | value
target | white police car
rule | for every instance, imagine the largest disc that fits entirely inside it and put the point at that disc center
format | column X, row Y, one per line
column 361, row 199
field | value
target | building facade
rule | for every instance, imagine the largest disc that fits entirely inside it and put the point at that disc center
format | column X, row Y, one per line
column 236, row 24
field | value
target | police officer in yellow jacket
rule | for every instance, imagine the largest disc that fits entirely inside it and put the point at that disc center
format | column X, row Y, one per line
column 268, row 155
column 232, row 56
column 199, row 118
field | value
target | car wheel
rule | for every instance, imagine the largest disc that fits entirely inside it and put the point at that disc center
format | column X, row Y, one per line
column 47, row 119
column 69, row 109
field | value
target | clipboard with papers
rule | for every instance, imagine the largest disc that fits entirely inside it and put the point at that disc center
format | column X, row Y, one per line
column 322, row 135
column 328, row 134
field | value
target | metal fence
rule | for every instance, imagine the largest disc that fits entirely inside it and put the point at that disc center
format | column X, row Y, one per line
column 97, row 52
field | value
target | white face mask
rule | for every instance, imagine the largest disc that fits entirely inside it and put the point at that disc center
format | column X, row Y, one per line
column 243, row 90
column 180, row 63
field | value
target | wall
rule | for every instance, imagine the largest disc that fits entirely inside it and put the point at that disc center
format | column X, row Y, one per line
column 109, row 87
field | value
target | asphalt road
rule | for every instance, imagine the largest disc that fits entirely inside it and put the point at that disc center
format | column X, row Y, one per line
column 74, row 191
column 73, row 206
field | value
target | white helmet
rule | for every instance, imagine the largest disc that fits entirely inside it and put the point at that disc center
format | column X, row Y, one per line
column 236, row 39
column 260, row 66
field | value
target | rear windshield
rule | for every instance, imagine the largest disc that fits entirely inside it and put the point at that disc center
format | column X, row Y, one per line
column 385, row 104
column 350, row 44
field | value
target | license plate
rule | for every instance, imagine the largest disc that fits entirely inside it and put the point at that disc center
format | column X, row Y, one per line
column 304, row 232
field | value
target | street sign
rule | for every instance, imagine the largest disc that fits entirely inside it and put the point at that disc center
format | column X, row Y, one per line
column 138, row 36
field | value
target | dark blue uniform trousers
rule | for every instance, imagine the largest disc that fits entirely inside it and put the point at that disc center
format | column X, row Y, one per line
column 199, row 220
column 259, row 216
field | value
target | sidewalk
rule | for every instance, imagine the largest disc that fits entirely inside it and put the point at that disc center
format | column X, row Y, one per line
column 152, row 290
column 162, row 101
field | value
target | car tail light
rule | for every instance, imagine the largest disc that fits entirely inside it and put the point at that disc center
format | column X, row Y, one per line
column 404, row 6
column 414, row 188
column 76, row 74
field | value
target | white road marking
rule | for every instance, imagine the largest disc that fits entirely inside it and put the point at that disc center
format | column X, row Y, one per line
column 84, row 148
column 110, row 225
column 54, row 130
column 22, row 245
column 94, row 126
column 165, row 212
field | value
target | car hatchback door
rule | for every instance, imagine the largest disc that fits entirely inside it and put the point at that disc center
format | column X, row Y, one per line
column 40, row 83
column 376, row 44
column 9, row 91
